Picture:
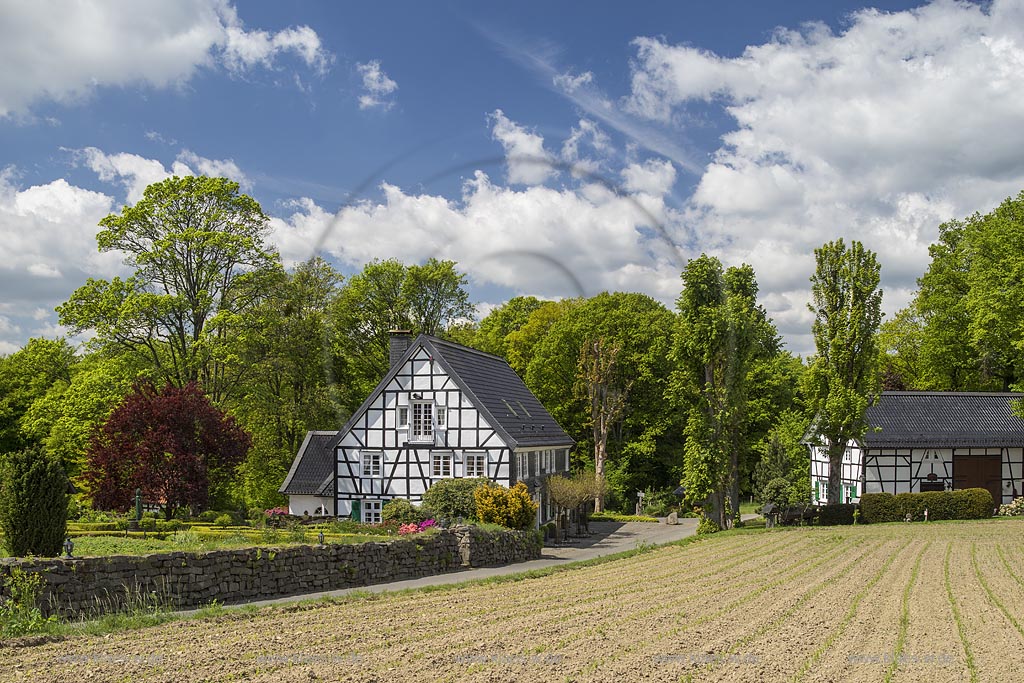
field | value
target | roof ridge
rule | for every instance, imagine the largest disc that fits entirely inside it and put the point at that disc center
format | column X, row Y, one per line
column 463, row 347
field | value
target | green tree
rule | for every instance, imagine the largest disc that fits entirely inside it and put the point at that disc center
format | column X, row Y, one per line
column 292, row 387
column 494, row 330
column 387, row 295
column 949, row 360
column 899, row 341
column 719, row 332
column 843, row 378
column 25, row 376
column 995, row 299
column 33, row 502
column 643, row 437
column 783, row 455
column 64, row 419
column 199, row 253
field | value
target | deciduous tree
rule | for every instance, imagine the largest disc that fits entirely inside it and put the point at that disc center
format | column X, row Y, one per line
column 843, row 378
column 199, row 253
column 172, row 443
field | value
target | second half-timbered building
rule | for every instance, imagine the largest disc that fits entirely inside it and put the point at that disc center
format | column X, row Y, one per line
column 442, row 411
column 933, row 441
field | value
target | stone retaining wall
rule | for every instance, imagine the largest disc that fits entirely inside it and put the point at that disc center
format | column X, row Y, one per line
column 95, row 585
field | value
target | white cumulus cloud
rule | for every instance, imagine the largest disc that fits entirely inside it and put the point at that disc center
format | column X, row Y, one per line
column 878, row 133
column 63, row 51
column 377, row 86
column 528, row 162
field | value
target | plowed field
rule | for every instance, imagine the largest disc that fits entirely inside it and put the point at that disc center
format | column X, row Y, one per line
column 939, row 602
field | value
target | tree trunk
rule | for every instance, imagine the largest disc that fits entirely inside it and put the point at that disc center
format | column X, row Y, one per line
column 835, row 472
column 600, row 455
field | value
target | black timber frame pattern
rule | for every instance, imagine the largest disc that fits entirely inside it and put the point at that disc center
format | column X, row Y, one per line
column 917, row 433
column 424, row 371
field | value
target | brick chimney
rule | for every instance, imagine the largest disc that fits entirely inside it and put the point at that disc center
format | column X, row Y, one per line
column 400, row 342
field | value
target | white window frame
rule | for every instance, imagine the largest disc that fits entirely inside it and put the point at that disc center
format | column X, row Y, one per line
column 403, row 417
column 479, row 466
column 370, row 511
column 424, row 421
column 442, row 464
column 373, row 464
column 440, row 416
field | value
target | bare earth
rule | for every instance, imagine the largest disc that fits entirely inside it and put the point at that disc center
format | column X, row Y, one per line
column 866, row 603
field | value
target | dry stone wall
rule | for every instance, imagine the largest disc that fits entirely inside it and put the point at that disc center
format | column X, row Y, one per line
column 184, row 580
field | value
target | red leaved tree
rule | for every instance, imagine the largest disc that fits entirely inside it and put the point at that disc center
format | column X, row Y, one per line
column 173, row 444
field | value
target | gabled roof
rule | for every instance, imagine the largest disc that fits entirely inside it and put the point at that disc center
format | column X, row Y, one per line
column 312, row 471
column 493, row 388
column 497, row 391
column 944, row 419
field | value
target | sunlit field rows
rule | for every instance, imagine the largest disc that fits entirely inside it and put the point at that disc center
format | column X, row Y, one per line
column 937, row 602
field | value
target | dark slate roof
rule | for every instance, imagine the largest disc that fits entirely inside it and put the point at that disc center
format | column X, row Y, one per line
column 944, row 419
column 312, row 471
column 498, row 392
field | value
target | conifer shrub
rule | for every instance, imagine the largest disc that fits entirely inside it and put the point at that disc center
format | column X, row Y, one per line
column 33, row 502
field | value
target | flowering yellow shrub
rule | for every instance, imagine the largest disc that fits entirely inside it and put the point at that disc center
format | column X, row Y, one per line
column 512, row 508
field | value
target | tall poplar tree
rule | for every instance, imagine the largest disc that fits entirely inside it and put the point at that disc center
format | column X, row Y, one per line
column 844, row 377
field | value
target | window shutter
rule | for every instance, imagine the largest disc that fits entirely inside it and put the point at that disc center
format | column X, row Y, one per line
column 817, row 490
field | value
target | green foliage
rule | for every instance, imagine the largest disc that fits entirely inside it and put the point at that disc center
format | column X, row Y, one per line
column 452, row 498
column 289, row 389
column 33, row 502
column 402, row 511
column 836, row 514
column 493, row 334
column 843, row 377
column 64, row 419
column 782, row 453
column 644, row 439
column 25, row 377
column 388, row 295
column 707, row 526
column 660, row 503
column 223, row 521
column 200, row 258
column 19, row 612
column 512, row 508
column 720, row 333
column 777, row 492
column 961, row 504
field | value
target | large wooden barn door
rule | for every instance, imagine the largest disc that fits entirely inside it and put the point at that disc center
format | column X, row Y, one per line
column 979, row 471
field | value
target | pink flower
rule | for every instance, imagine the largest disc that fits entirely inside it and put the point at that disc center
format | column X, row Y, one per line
column 426, row 524
column 410, row 528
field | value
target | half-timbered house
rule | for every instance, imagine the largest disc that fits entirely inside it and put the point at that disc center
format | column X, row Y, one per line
column 932, row 441
column 442, row 411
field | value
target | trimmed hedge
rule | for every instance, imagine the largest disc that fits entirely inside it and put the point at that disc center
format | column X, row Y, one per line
column 962, row 504
column 838, row 513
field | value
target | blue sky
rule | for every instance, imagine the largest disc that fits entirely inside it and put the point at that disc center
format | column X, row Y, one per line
column 553, row 149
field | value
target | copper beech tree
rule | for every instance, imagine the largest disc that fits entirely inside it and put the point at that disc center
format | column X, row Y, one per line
column 172, row 444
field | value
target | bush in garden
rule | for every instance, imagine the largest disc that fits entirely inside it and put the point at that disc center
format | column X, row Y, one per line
column 512, row 508
column 838, row 513
column 1014, row 509
column 777, row 492
column 402, row 511
column 452, row 498
column 707, row 526
column 223, row 520
column 962, row 504
column 876, row 508
column 33, row 502
column 660, row 503
column 209, row 516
